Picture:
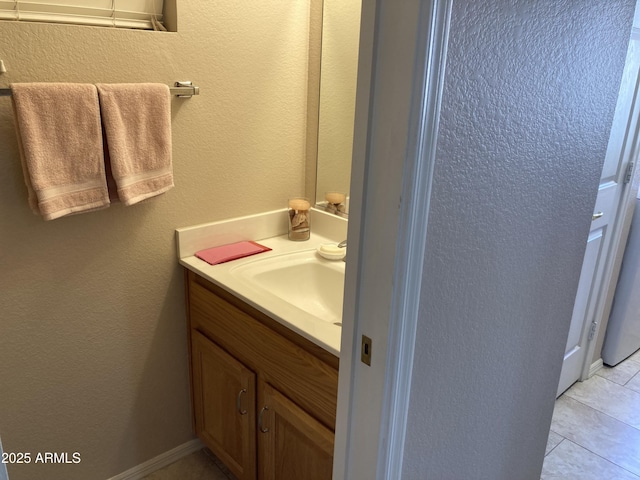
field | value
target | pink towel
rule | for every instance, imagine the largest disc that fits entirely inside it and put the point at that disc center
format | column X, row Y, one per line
column 231, row 251
column 60, row 142
column 137, row 123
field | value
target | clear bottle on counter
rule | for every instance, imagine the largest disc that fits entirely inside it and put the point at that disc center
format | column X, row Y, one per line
column 299, row 221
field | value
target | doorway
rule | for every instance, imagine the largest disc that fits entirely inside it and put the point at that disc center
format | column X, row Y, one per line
column 609, row 228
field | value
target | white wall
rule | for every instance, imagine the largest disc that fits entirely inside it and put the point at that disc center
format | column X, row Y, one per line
column 530, row 91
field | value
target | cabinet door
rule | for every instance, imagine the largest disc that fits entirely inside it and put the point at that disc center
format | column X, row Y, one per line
column 224, row 406
column 291, row 443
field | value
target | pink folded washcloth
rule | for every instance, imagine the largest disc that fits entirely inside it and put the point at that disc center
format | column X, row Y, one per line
column 231, row 251
column 60, row 143
column 137, row 125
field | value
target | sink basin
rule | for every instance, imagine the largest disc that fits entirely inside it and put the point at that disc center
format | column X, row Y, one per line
column 303, row 279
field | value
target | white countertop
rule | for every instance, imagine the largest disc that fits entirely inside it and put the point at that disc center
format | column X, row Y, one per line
column 325, row 228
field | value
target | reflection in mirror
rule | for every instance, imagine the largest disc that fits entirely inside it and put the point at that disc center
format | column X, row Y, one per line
column 338, row 71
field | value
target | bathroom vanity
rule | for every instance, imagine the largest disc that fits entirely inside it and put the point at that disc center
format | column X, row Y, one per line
column 264, row 398
column 264, row 374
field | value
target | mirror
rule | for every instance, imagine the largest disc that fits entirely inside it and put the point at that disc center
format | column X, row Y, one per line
column 338, row 71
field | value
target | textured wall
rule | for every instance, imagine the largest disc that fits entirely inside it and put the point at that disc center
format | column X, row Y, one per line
column 93, row 354
column 529, row 97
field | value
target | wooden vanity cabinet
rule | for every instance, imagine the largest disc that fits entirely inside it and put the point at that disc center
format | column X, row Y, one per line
column 292, row 444
column 264, row 398
column 224, row 405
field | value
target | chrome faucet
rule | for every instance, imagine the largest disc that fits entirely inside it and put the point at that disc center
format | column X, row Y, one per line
column 343, row 244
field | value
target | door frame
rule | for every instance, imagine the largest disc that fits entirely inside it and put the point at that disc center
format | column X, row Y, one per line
column 396, row 122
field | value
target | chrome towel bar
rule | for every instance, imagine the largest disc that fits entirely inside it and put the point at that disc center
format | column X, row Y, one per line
column 181, row 89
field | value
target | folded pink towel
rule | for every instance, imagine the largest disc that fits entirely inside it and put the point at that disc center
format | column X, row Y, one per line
column 137, row 123
column 60, row 142
column 231, row 251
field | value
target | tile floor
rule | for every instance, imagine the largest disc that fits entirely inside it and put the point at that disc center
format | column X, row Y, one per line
column 595, row 433
column 201, row 465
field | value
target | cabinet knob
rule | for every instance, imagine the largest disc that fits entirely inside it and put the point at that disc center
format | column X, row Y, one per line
column 260, row 424
column 239, row 402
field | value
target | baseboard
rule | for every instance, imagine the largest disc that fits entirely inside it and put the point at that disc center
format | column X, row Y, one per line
column 162, row 460
column 595, row 366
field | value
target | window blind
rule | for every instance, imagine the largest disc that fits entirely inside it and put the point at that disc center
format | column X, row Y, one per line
column 142, row 14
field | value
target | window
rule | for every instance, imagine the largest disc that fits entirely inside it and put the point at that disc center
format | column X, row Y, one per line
column 141, row 14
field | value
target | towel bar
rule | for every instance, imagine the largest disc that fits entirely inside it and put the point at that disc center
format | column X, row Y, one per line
column 181, row 89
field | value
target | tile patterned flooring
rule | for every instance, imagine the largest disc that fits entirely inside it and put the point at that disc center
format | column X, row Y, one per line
column 201, row 465
column 595, row 433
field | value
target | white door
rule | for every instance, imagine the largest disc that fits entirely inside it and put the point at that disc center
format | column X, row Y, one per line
column 589, row 307
column 583, row 325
